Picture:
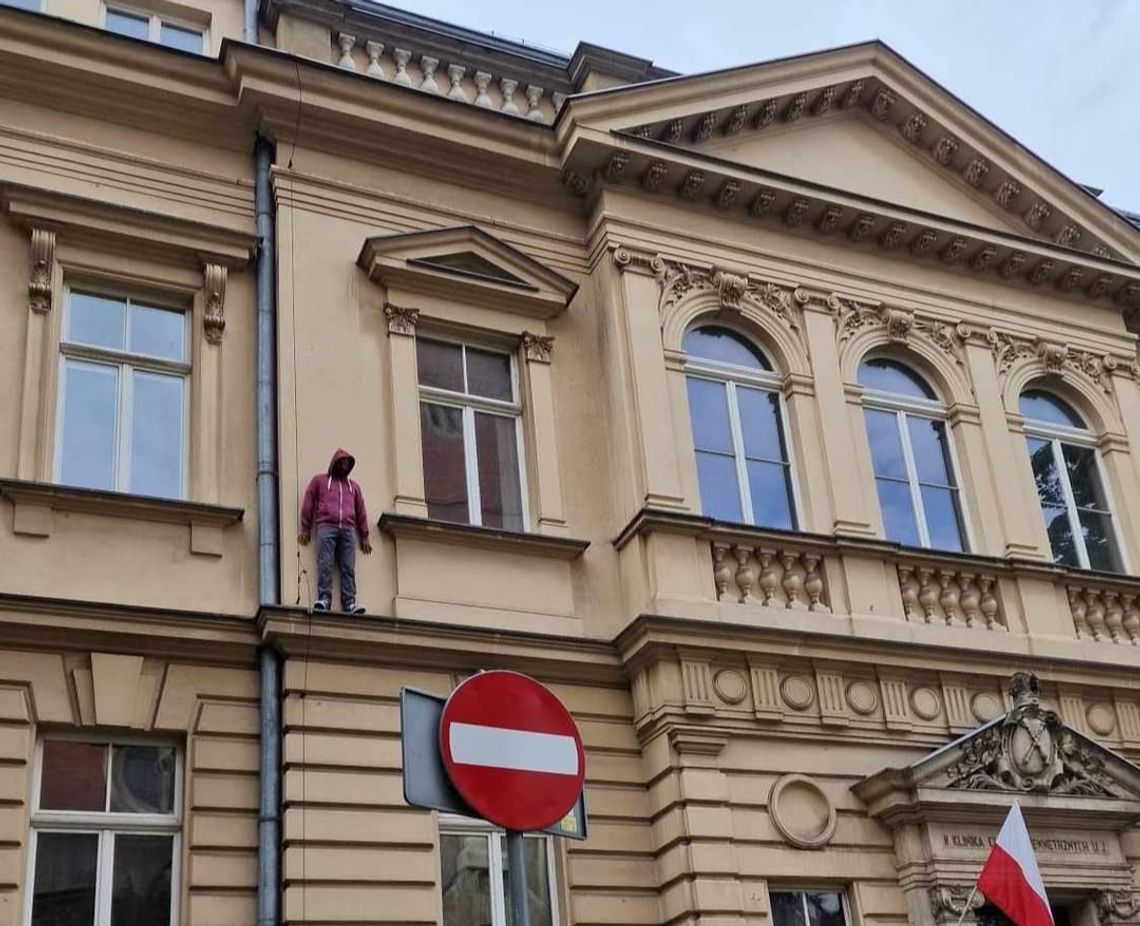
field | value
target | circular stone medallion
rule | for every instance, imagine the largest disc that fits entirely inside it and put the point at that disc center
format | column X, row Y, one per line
column 802, row 812
column 797, row 692
column 862, row 697
column 926, row 703
column 730, row 686
column 986, row 706
column 1102, row 719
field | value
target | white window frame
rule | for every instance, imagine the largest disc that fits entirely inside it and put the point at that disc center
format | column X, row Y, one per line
column 155, row 22
column 455, row 825
column 105, row 825
column 814, row 888
column 1057, row 435
column 931, row 410
column 730, row 375
column 469, row 404
column 127, row 362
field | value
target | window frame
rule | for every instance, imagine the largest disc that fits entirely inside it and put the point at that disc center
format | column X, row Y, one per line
column 128, row 361
column 1057, row 435
column 105, row 825
column 841, row 890
column 729, row 375
column 457, row 825
column 931, row 410
column 155, row 22
column 468, row 404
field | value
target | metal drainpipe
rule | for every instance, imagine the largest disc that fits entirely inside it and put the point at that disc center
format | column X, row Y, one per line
column 249, row 31
column 269, row 780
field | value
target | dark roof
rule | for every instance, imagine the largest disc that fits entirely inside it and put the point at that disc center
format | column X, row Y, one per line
column 1132, row 218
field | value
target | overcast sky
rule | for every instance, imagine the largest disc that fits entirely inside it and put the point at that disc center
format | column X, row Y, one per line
column 1061, row 77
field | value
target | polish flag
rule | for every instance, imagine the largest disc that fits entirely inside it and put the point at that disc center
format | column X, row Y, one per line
column 1010, row 879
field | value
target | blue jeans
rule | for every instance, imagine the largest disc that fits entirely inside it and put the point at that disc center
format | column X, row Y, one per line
column 336, row 544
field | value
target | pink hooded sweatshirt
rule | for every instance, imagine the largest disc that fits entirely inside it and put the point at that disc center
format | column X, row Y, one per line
column 335, row 501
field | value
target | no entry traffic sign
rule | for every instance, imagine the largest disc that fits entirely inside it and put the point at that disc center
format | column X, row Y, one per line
column 512, row 750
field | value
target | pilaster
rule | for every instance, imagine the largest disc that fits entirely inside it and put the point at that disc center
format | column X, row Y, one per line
column 409, row 496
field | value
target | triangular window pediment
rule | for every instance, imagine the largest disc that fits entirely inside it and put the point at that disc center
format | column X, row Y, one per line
column 467, row 264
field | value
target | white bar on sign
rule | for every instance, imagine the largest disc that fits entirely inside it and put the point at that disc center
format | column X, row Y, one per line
column 518, row 750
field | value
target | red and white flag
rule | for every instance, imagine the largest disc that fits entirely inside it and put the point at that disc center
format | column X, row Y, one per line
column 1010, row 879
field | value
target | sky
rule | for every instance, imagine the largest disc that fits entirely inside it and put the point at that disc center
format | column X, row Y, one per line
column 1060, row 76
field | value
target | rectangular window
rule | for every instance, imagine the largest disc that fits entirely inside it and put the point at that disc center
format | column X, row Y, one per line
column 149, row 27
column 105, row 834
column 470, row 425
column 475, row 877
column 123, row 396
column 807, row 908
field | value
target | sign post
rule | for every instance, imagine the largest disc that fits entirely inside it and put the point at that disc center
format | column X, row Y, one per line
column 504, row 748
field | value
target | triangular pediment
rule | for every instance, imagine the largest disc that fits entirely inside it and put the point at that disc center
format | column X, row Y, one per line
column 467, row 263
column 862, row 119
column 1028, row 754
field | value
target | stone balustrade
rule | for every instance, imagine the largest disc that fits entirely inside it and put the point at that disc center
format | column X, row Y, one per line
column 1105, row 614
column 951, row 596
column 456, row 81
column 772, row 577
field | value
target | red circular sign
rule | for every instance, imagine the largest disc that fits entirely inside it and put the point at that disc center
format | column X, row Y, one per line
column 512, row 750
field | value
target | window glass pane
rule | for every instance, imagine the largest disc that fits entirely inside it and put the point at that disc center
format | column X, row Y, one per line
column 445, row 470
column 787, row 908
column 931, row 455
column 156, row 435
column 74, row 776
column 33, row 5
column 708, row 410
column 720, row 493
column 64, row 891
column 96, row 320
column 760, row 422
column 537, row 883
column 724, row 346
column 1084, row 477
column 500, row 494
column 898, row 512
column 1060, row 531
column 1099, row 541
column 180, row 38
column 886, row 450
column 137, row 27
column 465, row 879
column 892, row 376
column 943, row 520
column 825, row 908
column 439, row 364
column 157, row 332
column 1041, row 406
column 489, row 374
column 140, row 893
column 1045, row 473
column 771, row 494
column 142, row 779
column 88, row 432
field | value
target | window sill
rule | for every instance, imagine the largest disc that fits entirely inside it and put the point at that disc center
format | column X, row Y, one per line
column 488, row 538
column 35, row 502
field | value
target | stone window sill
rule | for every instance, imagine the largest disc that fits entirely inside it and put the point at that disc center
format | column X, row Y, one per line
column 487, row 538
column 35, row 502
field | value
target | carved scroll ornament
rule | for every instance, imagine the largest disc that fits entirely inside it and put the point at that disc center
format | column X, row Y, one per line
column 1010, row 351
column 40, row 273
column 900, row 325
column 214, row 319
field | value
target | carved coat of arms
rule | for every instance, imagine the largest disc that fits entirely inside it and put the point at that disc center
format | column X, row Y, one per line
column 1030, row 749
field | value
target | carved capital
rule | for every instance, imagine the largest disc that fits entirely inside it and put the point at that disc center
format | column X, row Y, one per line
column 401, row 319
column 214, row 289
column 40, row 273
column 948, row 902
column 537, row 348
column 1118, row 906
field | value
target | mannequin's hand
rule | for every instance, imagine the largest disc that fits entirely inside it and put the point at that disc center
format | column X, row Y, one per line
column 365, row 547
column 303, row 538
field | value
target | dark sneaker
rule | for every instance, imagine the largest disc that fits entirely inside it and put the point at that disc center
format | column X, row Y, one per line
column 352, row 607
column 320, row 605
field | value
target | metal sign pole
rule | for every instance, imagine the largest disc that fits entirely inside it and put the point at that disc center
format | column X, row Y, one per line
column 516, row 865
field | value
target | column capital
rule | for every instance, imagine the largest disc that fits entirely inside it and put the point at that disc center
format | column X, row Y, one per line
column 537, row 348
column 401, row 319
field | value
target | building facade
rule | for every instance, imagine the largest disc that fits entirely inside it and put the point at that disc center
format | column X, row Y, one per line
column 781, row 419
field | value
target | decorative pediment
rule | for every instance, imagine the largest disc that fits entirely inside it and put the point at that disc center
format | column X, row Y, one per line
column 1028, row 754
column 469, row 264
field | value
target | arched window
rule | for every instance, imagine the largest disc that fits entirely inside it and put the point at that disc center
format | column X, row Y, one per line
column 1070, row 485
column 910, row 451
column 738, row 430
